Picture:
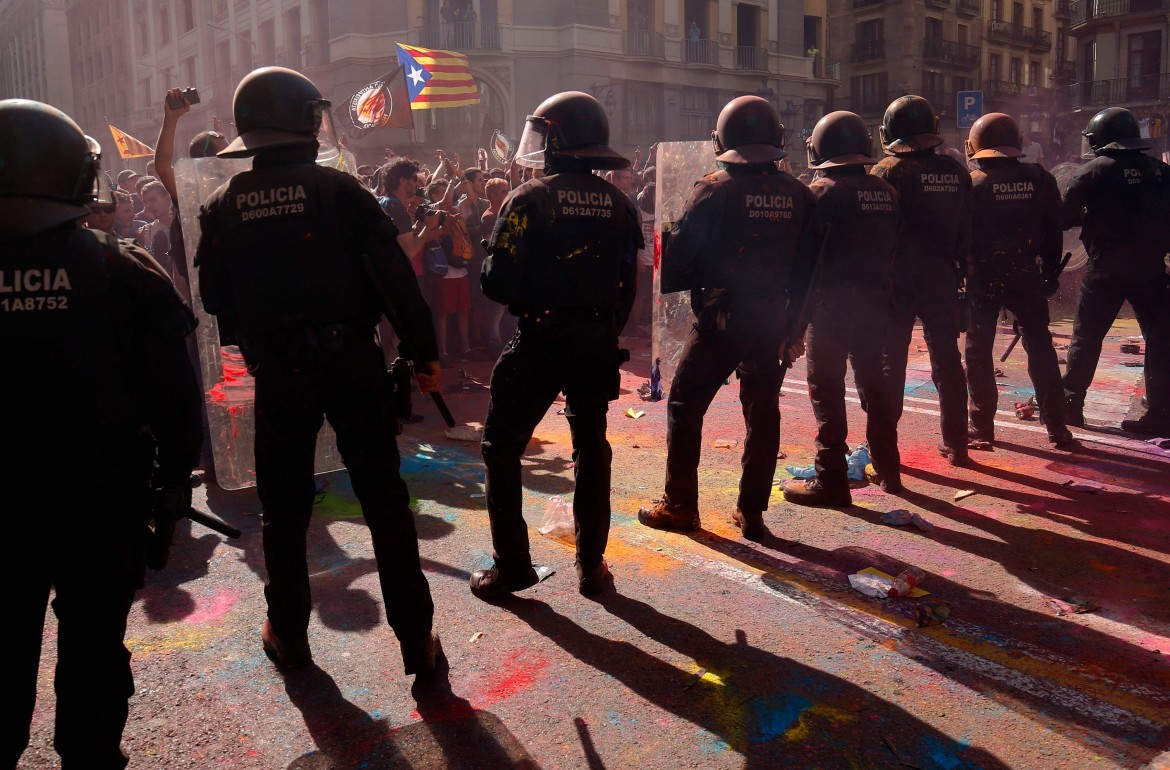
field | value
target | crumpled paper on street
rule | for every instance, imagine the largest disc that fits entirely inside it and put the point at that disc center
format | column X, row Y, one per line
column 856, row 461
column 464, row 433
column 1083, row 486
column 871, row 581
column 1071, row 605
column 900, row 517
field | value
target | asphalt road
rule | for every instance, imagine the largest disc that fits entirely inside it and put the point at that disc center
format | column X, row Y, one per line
column 711, row 651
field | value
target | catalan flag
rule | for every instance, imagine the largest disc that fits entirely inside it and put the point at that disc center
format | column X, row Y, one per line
column 128, row 146
column 437, row 79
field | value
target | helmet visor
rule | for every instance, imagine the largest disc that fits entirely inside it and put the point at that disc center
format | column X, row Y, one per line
column 100, row 190
column 329, row 148
column 533, row 143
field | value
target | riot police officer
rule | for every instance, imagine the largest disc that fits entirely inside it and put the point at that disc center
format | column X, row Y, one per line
column 302, row 261
column 1119, row 200
column 858, row 214
column 744, row 247
column 562, row 257
column 931, row 262
column 1016, row 254
column 99, row 390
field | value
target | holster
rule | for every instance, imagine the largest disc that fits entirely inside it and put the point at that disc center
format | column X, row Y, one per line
column 396, row 388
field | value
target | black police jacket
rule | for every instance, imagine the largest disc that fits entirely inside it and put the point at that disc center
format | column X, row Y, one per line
column 860, row 214
column 567, row 241
column 92, row 333
column 935, row 192
column 744, row 245
column 292, row 248
column 1015, row 210
column 1121, row 200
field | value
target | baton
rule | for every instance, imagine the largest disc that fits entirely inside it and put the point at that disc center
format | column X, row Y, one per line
column 437, row 397
column 1015, row 340
column 212, row 523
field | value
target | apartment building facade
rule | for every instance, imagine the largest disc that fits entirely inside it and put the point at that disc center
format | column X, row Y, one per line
column 34, row 52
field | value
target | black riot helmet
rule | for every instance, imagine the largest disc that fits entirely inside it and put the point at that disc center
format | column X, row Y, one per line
column 571, row 125
column 995, row 135
column 909, row 125
column 275, row 107
column 840, row 139
column 748, row 131
column 1115, row 128
column 49, row 169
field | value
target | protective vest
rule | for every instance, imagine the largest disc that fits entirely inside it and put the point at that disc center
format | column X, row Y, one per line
column 1014, row 208
column 861, row 213
column 1122, row 202
column 935, row 194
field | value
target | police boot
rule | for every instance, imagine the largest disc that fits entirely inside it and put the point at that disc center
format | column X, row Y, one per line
column 956, row 456
column 592, row 578
column 667, row 515
column 422, row 656
column 496, row 583
column 1062, row 438
column 750, row 523
column 1074, row 409
column 286, row 653
column 1147, row 426
column 980, row 439
column 813, row 492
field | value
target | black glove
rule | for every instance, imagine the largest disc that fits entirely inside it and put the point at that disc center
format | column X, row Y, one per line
column 1051, row 286
column 172, row 501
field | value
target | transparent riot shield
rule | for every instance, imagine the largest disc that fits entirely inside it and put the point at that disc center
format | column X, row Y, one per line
column 679, row 165
column 229, row 392
column 1072, row 237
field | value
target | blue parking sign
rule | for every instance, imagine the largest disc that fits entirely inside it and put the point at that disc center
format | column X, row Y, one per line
column 968, row 108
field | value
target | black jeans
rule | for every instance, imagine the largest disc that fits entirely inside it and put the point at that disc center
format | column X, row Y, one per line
column 290, row 407
column 849, row 323
column 541, row 360
column 1023, row 295
column 1158, row 364
column 88, row 527
column 1110, row 281
column 709, row 357
column 931, row 296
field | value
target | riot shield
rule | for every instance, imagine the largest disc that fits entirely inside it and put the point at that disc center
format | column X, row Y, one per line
column 1072, row 237
column 229, row 392
column 679, row 165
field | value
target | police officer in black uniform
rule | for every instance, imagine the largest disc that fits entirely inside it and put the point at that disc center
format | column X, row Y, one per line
column 562, row 257
column 744, row 247
column 302, row 261
column 1119, row 200
column 932, row 261
column 1016, row 254
column 97, row 389
column 858, row 213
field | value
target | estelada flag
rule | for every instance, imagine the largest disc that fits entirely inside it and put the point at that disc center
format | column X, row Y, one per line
column 437, row 79
column 128, row 146
column 384, row 103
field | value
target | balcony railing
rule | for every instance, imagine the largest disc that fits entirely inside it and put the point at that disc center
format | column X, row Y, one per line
column 1106, row 93
column 833, row 71
column 701, row 51
column 316, row 54
column 462, row 35
column 288, row 58
column 1082, row 11
column 867, row 50
column 953, row 52
column 969, row 7
column 939, row 3
column 642, row 42
column 867, row 3
column 1004, row 89
column 1006, row 31
column 751, row 57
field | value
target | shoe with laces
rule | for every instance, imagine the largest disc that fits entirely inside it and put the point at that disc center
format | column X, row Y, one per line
column 750, row 523
column 288, row 654
column 813, row 492
column 667, row 515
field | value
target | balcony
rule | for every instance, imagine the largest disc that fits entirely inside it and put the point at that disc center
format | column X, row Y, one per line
column 969, row 7
column 288, row 58
column 642, row 42
column 1007, row 32
column 833, row 71
column 316, row 54
column 867, row 50
column 750, row 57
column 701, row 51
column 952, row 52
column 1081, row 12
column 1095, row 94
column 1061, row 11
column 938, row 3
column 462, row 36
column 867, row 3
column 1018, row 93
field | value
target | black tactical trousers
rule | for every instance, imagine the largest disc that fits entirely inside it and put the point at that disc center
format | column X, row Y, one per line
column 290, row 408
column 930, row 295
column 580, row 358
column 82, row 534
column 849, row 324
column 1110, row 280
column 1023, row 295
column 1158, row 364
column 709, row 357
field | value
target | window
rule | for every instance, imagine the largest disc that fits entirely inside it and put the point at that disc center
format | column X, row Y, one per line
column 188, row 72
column 1088, row 61
column 1015, row 70
column 1018, row 14
column 641, row 110
column 994, row 66
column 187, row 14
column 869, row 31
column 164, row 25
column 964, row 84
column 997, row 10
column 1034, row 73
column 1142, row 65
column 868, row 92
column 695, row 113
column 1038, row 19
column 934, row 28
column 933, row 88
column 963, row 31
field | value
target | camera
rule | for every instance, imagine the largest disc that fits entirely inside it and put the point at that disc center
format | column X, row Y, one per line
column 426, row 209
column 190, row 95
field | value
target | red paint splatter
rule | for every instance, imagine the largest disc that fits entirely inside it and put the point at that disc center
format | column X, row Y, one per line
column 514, row 676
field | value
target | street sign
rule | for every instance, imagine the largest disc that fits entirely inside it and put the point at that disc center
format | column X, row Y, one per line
column 968, row 108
